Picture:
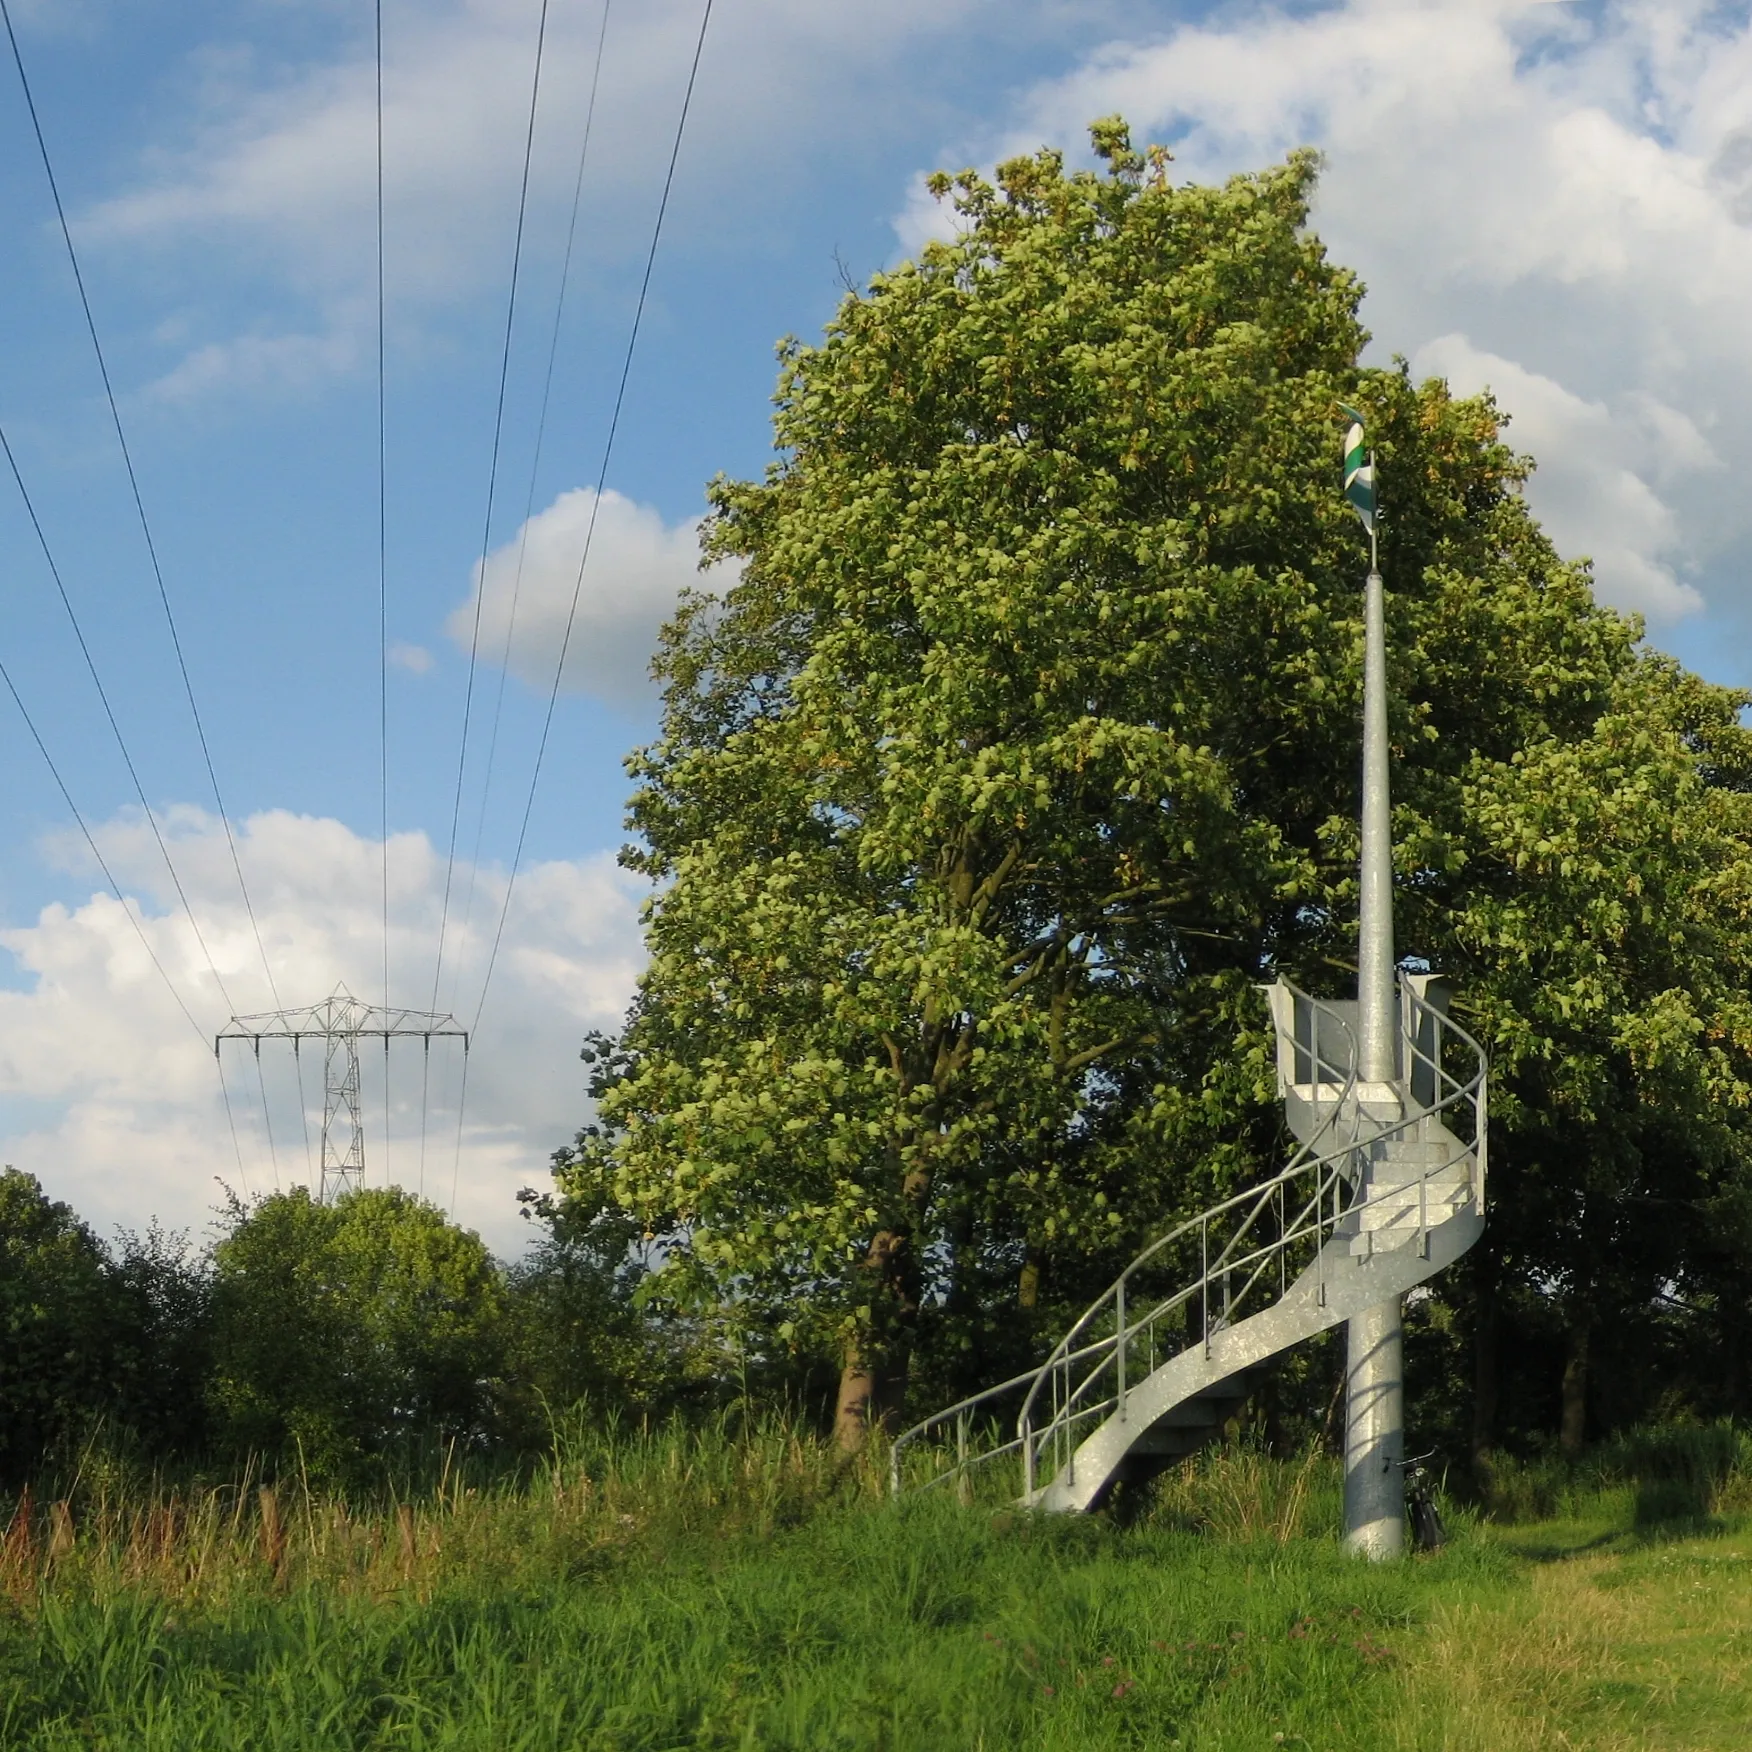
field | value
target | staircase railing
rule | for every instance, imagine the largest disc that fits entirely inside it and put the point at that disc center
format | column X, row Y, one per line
column 1238, row 1256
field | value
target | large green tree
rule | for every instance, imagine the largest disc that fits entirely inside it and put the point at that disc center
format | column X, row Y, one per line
column 1595, row 907
column 1026, row 744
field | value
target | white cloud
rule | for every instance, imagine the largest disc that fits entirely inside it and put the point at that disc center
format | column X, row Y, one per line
column 253, row 363
column 136, row 1126
column 274, row 166
column 638, row 566
column 1570, row 190
column 1586, row 490
column 416, row 659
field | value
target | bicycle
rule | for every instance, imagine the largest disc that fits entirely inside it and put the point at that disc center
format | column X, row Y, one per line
column 1427, row 1531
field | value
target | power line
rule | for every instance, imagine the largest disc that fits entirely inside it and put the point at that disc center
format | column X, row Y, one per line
column 425, row 1090
column 535, row 464
column 382, row 572
column 595, row 506
column 456, row 1157
column 492, row 485
column 267, row 1121
column 108, row 875
column 486, row 543
column 109, row 713
column 310, row 1167
column 121, row 899
column 134, row 484
column 134, row 775
column 231, row 1120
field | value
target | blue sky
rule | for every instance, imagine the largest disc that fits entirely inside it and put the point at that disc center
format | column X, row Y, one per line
column 1550, row 199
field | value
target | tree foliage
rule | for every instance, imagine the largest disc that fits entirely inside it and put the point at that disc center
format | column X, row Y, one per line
column 52, row 1323
column 343, row 1330
column 159, row 1351
column 1026, row 745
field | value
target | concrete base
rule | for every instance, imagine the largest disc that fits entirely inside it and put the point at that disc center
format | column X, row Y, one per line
column 1374, row 1432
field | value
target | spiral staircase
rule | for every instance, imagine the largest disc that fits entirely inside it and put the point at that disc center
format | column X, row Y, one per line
column 1385, row 1189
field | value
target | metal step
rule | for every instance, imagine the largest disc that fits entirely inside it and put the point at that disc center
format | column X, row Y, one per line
column 1404, row 1232
column 1390, row 1176
column 1392, row 1206
column 1443, row 1183
column 1413, row 1153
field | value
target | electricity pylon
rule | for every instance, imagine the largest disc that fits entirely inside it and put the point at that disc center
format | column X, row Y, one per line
column 340, row 1022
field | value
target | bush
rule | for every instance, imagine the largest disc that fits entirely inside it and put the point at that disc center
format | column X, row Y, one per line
column 344, row 1332
column 1669, row 1472
column 53, row 1326
column 160, row 1307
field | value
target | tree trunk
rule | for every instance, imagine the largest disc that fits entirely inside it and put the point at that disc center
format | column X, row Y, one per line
column 1028, row 1286
column 1574, row 1428
column 873, row 1375
column 870, row 1398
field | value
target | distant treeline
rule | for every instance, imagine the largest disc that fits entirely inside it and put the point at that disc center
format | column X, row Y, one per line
column 352, row 1341
column 360, row 1343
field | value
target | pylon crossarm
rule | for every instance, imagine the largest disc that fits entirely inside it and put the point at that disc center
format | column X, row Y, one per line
column 341, row 1021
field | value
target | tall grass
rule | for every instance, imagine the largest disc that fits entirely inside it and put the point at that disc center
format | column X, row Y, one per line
column 683, row 1589
column 1659, row 1476
column 602, row 1494
column 648, row 1591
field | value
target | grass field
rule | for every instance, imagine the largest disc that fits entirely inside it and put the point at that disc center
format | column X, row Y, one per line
column 695, row 1592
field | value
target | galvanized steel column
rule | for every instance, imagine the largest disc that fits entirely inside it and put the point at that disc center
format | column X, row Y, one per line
column 1377, row 993
column 1374, row 1434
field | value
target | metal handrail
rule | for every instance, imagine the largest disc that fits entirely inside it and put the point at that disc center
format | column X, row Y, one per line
column 1081, row 1394
column 1345, row 1079
column 1076, row 1403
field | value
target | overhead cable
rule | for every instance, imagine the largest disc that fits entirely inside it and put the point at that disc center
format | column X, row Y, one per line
column 121, row 899
column 128, row 761
column 492, row 488
column 382, row 576
column 535, row 466
column 109, row 713
column 595, row 506
column 134, row 486
column 486, row 544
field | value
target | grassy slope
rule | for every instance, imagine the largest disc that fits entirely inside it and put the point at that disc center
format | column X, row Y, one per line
column 735, row 1599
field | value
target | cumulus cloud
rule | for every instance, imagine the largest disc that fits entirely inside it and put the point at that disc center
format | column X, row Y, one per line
column 1590, row 497
column 112, row 1091
column 1569, row 189
column 638, row 566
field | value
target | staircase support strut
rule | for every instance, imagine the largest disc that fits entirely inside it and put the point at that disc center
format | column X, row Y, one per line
column 1374, row 1481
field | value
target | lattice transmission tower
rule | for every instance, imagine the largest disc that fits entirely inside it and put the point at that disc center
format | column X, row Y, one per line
column 340, row 1022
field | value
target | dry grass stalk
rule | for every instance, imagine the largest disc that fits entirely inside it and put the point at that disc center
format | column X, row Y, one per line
column 273, row 1530
column 18, row 1559
column 410, row 1550
column 61, row 1536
